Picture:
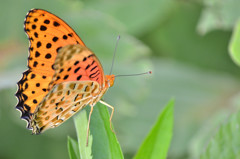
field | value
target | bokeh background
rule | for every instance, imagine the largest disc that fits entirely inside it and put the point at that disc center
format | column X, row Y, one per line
column 184, row 43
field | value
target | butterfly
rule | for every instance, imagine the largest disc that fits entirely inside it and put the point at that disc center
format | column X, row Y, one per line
column 63, row 75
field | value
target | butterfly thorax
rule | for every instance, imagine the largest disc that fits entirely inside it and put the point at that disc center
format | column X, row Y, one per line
column 109, row 81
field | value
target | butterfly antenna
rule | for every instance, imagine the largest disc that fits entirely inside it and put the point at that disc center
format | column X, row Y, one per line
column 137, row 74
column 118, row 38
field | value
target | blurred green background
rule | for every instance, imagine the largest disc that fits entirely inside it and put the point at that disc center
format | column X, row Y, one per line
column 183, row 42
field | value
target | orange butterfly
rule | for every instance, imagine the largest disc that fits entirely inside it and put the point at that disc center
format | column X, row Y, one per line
column 63, row 77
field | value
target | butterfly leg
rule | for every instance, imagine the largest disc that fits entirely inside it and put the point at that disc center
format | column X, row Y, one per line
column 89, row 119
column 110, row 120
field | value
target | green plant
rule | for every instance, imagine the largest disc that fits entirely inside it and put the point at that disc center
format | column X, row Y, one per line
column 104, row 144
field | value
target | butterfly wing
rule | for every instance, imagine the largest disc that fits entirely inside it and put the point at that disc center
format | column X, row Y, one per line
column 78, row 81
column 47, row 34
column 77, row 63
column 62, row 102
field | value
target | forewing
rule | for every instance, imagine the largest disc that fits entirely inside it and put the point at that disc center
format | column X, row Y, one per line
column 47, row 34
column 77, row 63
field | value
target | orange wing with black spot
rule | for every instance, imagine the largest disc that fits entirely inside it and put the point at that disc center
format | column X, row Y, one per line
column 77, row 82
column 47, row 34
column 77, row 63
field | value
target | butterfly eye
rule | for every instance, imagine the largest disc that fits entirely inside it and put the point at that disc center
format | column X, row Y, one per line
column 108, row 82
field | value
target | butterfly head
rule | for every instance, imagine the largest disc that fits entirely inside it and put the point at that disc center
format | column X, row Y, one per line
column 109, row 80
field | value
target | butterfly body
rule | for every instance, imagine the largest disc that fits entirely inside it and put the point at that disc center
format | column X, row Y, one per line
column 63, row 77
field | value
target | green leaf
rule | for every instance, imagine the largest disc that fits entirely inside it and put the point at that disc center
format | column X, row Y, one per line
column 73, row 149
column 158, row 140
column 81, row 124
column 102, row 141
column 218, row 14
column 206, row 132
column 234, row 47
column 225, row 144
